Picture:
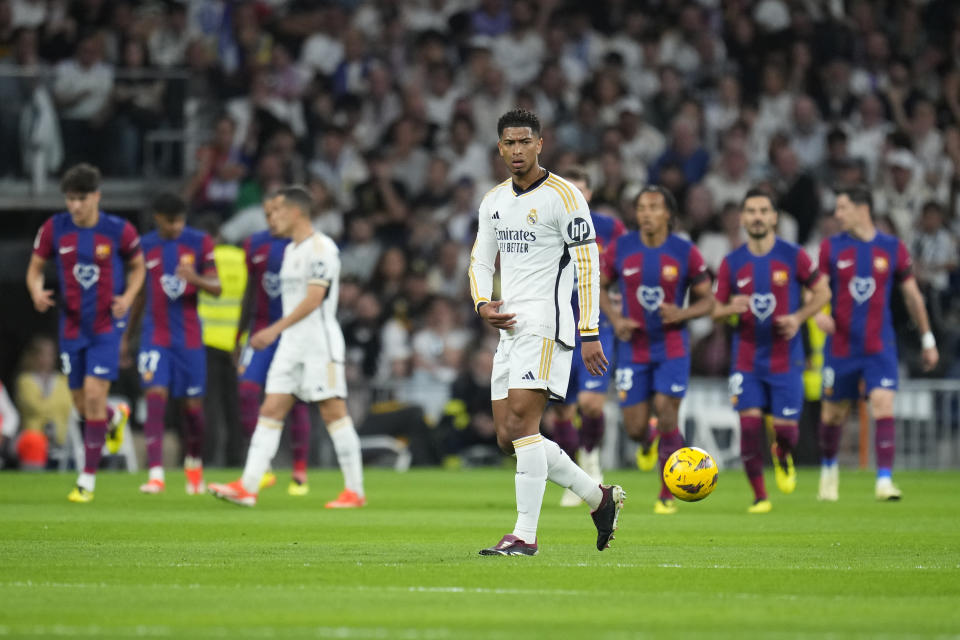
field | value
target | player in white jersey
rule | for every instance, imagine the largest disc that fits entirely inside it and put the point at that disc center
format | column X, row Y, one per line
column 539, row 224
column 309, row 360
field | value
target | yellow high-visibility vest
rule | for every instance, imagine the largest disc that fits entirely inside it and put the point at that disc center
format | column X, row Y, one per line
column 221, row 316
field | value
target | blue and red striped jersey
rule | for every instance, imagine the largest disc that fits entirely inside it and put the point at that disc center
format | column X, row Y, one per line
column 774, row 284
column 608, row 229
column 650, row 276
column 862, row 274
column 90, row 267
column 264, row 258
column 170, row 316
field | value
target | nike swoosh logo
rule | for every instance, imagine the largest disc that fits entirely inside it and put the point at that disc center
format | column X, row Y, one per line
column 101, row 370
column 258, row 259
column 744, row 282
column 66, row 249
column 150, row 264
column 630, row 272
column 843, row 264
column 789, row 412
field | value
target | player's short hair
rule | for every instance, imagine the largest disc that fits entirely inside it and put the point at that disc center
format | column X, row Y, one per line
column 169, row 205
column 758, row 192
column 519, row 118
column 668, row 199
column 858, row 194
column 579, row 174
column 299, row 197
column 80, row 178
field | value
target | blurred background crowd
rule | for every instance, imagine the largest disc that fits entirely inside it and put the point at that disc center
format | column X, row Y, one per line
column 387, row 110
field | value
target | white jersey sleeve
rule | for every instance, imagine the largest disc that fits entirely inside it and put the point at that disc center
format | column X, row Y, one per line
column 483, row 256
column 581, row 240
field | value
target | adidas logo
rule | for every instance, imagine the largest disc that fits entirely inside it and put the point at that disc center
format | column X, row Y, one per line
column 528, row 376
column 495, row 216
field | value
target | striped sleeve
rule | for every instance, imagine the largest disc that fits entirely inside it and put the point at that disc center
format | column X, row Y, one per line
column 482, row 259
column 576, row 225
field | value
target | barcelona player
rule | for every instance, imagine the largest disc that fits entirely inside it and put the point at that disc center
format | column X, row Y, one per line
column 762, row 285
column 655, row 270
column 100, row 270
column 172, row 360
column 863, row 264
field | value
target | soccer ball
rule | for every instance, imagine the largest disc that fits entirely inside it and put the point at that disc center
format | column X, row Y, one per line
column 690, row 474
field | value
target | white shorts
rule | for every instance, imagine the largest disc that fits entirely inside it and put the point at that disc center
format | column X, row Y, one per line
column 530, row 362
column 310, row 376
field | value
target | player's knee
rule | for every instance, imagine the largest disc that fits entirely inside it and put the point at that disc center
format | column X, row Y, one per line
column 332, row 410
column 591, row 405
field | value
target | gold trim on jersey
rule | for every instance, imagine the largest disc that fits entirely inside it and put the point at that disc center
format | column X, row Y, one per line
column 474, row 289
column 566, row 193
column 584, row 286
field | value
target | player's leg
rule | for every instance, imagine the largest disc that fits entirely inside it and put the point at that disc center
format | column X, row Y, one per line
column 191, row 384
column 881, row 405
column 786, row 404
column 346, row 444
column 841, row 380
column 95, row 392
column 72, row 363
column 156, row 397
column 748, row 395
column 591, row 399
column 252, row 370
column 155, row 368
column 300, row 428
column 567, row 438
column 669, row 381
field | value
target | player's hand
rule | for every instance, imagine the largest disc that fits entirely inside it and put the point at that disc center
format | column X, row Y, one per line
column 120, row 306
column 624, row 328
column 787, row 326
column 593, row 357
column 930, row 358
column 497, row 320
column 264, row 338
column 825, row 323
column 670, row 313
column 44, row 300
column 740, row 304
column 186, row 272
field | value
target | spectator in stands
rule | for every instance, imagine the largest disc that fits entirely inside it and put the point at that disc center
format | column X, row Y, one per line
column 41, row 392
column 902, row 193
column 809, row 135
column 796, row 190
column 641, row 143
column 362, row 251
column 215, row 183
column 868, row 131
column 728, row 180
column 685, row 150
column 82, row 88
column 338, row 164
column 934, row 253
column 137, row 107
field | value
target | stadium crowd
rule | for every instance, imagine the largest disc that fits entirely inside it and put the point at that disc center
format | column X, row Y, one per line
column 387, row 111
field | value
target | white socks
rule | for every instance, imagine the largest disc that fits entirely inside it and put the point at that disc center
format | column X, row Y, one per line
column 565, row 472
column 155, row 473
column 87, row 481
column 346, row 443
column 263, row 446
column 530, row 484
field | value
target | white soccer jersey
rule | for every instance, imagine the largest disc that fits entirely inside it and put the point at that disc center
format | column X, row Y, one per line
column 315, row 260
column 540, row 233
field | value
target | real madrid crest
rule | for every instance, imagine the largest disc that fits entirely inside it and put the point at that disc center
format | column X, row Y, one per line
column 532, row 217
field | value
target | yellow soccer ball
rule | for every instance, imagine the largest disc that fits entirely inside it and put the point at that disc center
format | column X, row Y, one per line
column 690, row 474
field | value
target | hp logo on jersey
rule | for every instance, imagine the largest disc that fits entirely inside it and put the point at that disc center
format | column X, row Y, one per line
column 578, row 230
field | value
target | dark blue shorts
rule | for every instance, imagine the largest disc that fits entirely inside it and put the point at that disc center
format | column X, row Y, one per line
column 636, row 383
column 98, row 356
column 183, row 372
column 254, row 364
column 583, row 380
column 779, row 394
column 841, row 376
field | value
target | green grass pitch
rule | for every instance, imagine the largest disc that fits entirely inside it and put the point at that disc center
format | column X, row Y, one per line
column 173, row 566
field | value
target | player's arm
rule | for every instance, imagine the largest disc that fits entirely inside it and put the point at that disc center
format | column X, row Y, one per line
column 702, row 301
column 727, row 305
column 581, row 240
column 483, row 257
column 43, row 299
column 622, row 326
column 824, row 317
column 316, row 293
column 133, row 326
column 818, row 296
column 136, row 271
column 43, row 250
column 913, row 300
column 207, row 280
column 918, row 313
